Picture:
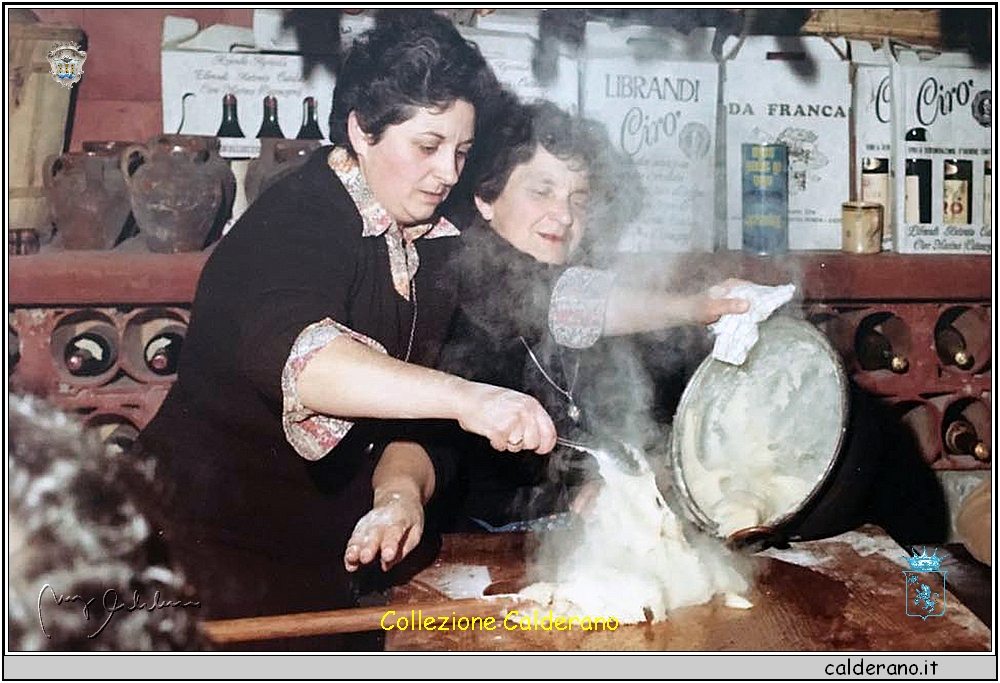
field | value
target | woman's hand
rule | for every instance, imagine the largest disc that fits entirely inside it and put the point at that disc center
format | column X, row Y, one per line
column 402, row 482
column 512, row 421
column 713, row 303
column 390, row 530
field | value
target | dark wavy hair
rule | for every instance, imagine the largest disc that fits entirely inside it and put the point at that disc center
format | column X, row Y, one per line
column 518, row 130
column 410, row 59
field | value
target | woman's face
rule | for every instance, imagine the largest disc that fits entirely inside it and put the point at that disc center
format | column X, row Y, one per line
column 414, row 165
column 542, row 209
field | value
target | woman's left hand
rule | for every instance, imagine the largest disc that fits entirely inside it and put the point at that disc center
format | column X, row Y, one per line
column 391, row 529
column 714, row 303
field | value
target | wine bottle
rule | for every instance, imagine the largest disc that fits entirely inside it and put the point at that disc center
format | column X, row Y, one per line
column 269, row 127
column 962, row 337
column 879, row 345
column 918, row 183
column 230, row 126
column 875, row 352
column 115, row 431
column 988, row 193
column 310, row 126
column 957, row 191
column 951, row 348
column 960, row 438
column 875, row 186
column 163, row 351
column 89, row 354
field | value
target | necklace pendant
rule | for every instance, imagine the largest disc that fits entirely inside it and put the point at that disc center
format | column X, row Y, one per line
column 573, row 412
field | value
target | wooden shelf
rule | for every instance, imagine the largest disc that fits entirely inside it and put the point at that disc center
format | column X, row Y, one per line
column 826, row 275
column 103, row 277
column 96, row 277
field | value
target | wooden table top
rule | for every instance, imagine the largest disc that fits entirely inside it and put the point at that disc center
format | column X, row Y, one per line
column 845, row 593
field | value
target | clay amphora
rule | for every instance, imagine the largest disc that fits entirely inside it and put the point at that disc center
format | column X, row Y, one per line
column 87, row 195
column 278, row 157
column 181, row 191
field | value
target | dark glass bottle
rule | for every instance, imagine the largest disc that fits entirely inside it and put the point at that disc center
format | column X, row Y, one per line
column 988, row 193
column 876, row 353
column 918, row 183
column 310, row 126
column 230, row 126
column 951, row 348
column 960, row 438
column 89, row 354
column 962, row 337
column 880, row 345
column 269, row 127
column 163, row 351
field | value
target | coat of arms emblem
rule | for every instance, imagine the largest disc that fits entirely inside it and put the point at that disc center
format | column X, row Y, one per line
column 926, row 594
column 66, row 63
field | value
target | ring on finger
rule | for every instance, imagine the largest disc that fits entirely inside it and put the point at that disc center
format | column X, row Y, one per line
column 516, row 442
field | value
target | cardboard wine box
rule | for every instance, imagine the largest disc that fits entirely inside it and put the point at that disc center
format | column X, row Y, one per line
column 507, row 41
column 793, row 91
column 657, row 91
column 941, row 118
column 199, row 66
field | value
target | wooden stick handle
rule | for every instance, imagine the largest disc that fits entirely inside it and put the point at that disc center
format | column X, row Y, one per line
column 224, row 631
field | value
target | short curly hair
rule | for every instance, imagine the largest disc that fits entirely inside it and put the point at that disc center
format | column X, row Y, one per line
column 75, row 531
column 409, row 59
column 517, row 130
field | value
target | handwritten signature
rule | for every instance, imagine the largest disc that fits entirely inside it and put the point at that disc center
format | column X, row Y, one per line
column 111, row 605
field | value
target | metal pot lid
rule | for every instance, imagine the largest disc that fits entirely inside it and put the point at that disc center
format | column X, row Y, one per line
column 753, row 444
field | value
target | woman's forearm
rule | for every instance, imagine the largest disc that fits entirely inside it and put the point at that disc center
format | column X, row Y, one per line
column 349, row 380
column 346, row 379
column 403, row 468
column 635, row 310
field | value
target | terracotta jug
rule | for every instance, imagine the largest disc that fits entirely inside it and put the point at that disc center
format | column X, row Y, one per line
column 278, row 157
column 181, row 191
column 87, row 195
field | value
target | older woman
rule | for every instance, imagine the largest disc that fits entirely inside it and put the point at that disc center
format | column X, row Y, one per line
column 301, row 402
column 545, row 185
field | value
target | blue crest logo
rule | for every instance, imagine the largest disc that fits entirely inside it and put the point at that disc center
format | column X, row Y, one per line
column 66, row 63
column 926, row 594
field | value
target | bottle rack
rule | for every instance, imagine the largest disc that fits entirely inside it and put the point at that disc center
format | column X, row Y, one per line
column 840, row 292
column 931, row 391
column 119, row 399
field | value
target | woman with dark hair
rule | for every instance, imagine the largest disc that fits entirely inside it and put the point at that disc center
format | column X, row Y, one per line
column 304, row 398
column 548, row 187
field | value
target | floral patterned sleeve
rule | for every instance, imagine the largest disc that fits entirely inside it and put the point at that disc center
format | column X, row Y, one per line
column 579, row 300
column 313, row 434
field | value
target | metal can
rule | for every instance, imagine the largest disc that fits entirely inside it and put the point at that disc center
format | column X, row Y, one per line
column 861, row 223
column 765, row 199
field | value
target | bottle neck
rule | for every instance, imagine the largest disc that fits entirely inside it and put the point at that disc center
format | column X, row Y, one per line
column 309, row 130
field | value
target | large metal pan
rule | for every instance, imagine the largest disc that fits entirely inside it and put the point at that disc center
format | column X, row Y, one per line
column 755, row 449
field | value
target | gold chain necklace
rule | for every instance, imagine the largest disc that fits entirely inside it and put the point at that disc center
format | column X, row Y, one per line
column 574, row 410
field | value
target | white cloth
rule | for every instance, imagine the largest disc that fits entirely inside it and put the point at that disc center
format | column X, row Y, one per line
column 736, row 333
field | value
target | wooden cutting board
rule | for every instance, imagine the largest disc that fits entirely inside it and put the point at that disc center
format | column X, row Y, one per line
column 846, row 593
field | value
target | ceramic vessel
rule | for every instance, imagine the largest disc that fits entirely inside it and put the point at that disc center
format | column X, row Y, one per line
column 278, row 157
column 87, row 195
column 181, row 191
